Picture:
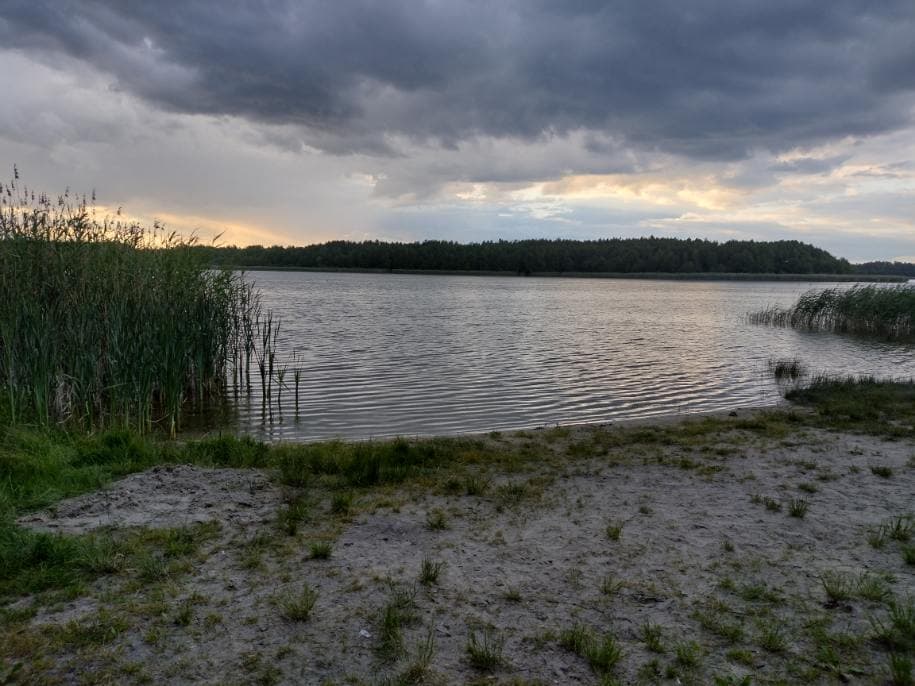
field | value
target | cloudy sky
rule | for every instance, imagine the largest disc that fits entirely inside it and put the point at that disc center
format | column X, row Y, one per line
column 301, row 121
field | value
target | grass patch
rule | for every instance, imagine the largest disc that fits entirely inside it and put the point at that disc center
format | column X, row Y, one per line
column 297, row 607
column 430, row 571
column 398, row 612
column 860, row 404
column 798, row 507
column 603, row 653
column 896, row 629
column 614, row 530
column 436, row 520
column 341, row 503
column 688, row 654
column 652, row 636
column 320, row 550
column 484, row 649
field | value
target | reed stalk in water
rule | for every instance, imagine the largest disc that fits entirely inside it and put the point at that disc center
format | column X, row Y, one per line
column 106, row 322
column 887, row 311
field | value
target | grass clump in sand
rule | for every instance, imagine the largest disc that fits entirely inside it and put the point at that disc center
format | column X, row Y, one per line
column 297, row 607
column 429, row 571
column 614, row 530
column 320, row 550
column 397, row 613
column 798, row 507
column 484, row 649
column 602, row 652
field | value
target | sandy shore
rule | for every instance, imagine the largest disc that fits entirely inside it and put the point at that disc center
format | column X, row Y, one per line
column 699, row 548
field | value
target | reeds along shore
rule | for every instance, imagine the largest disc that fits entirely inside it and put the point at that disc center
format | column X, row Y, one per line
column 105, row 322
column 870, row 310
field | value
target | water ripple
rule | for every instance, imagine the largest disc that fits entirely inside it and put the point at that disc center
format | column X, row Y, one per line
column 386, row 355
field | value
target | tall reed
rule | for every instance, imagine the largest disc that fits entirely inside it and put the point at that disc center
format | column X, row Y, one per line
column 887, row 311
column 104, row 321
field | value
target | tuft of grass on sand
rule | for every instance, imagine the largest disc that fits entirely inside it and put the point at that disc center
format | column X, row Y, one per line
column 430, row 570
column 484, row 649
column 297, row 606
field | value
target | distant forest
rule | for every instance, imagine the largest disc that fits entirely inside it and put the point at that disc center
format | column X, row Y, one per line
column 886, row 268
column 615, row 255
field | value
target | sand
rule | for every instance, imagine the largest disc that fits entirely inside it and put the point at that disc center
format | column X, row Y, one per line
column 698, row 554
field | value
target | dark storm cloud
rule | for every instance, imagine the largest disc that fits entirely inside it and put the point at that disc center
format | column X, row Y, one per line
column 713, row 80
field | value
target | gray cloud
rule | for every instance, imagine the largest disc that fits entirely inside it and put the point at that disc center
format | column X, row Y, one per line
column 704, row 79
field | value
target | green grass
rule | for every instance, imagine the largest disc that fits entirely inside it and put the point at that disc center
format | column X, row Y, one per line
column 896, row 629
column 429, row 571
column 652, row 636
column 798, row 507
column 320, row 550
column 397, row 613
column 860, row 405
column 436, row 520
column 603, row 653
column 484, row 649
column 614, row 530
column 298, row 606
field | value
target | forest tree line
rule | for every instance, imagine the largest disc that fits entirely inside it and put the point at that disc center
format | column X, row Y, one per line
column 615, row 255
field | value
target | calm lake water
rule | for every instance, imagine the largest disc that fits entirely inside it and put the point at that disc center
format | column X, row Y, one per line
column 384, row 355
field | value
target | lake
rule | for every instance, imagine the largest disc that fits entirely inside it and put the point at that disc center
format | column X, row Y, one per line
column 384, row 355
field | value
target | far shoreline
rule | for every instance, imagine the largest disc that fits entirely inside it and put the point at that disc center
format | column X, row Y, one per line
column 652, row 276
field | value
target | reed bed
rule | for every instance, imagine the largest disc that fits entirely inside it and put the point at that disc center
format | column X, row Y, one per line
column 886, row 311
column 106, row 322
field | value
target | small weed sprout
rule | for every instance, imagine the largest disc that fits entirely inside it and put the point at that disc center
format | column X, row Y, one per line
column 798, row 507
column 400, row 611
column 837, row 585
column 652, row 637
column 610, row 585
column 896, row 631
column 429, row 571
column 602, row 653
column 615, row 530
column 476, row 485
column 689, row 654
column 298, row 607
column 901, row 670
column 416, row 672
column 882, row 471
column 484, row 650
column 513, row 594
column 878, row 536
column 436, row 520
column 340, row 503
column 293, row 513
column 900, row 528
column 320, row 550
column 908, row 554
column 771, row 637
column 873, row 588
